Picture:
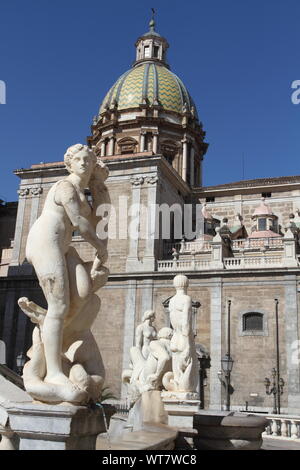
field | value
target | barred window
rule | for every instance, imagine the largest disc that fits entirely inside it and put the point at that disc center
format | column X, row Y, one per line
column 253, row 321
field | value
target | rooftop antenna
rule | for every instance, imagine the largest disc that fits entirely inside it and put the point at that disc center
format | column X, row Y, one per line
column 243, row 166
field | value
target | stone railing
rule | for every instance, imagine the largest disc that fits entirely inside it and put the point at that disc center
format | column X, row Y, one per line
column 282, row 426
column 253, row 262
column 183, row 265
column 187, row 247
column 254, row 243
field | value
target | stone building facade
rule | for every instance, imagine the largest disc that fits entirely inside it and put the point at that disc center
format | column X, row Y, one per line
column 245, row 249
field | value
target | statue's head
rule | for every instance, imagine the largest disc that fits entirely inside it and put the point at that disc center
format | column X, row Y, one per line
column 180, row 282
column 80, row 159
column 165, row 333
column 148, row 315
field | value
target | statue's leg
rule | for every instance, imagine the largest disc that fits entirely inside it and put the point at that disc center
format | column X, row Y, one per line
column 177, row 366
column 53, row 277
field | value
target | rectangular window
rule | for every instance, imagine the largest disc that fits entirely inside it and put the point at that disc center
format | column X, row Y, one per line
column 262, row 224
column 147, row 51
column 156, row 50
column 253, row 321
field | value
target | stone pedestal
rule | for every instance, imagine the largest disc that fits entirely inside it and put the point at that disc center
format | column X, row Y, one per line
column 55, row 427
column 181, row 409
column 9, row 440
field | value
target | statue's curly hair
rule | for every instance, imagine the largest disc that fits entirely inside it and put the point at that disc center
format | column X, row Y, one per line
column 148, row 314
column 71, row 151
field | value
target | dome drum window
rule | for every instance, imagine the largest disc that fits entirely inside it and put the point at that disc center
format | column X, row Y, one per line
column 127, row 145
column 169, row 151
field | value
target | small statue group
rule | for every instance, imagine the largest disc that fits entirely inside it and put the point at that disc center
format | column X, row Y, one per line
column 165, row 360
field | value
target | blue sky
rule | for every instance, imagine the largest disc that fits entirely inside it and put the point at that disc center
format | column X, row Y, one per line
column 238, row 59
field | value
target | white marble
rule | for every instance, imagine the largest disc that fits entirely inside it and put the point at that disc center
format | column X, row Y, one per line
column 150, row 357
column 8, row 393
column 2, row 352
column 181, row 411
column 184, row 376
column 55, row 427
column 65, row 364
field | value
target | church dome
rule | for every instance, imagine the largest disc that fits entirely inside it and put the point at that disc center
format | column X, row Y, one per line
column 149, row 82
column 148, row 110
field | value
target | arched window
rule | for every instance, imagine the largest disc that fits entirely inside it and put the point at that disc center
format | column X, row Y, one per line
column 169, row 150
column 127, row 145
column 253, row 321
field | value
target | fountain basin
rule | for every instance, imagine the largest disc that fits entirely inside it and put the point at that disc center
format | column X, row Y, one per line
column 225, row 430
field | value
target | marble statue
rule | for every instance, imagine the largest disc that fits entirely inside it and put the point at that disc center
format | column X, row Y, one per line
column 159, row 360
column 144, row 334
column 150, row 357
column 65, row 364
column 183, row 378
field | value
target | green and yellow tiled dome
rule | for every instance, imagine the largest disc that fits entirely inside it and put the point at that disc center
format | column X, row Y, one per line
column 150, row 81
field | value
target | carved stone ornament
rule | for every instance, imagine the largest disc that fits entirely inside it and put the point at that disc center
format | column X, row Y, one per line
column 137, row 180
column 36, row 191
column 152, row 179
column 23, row 192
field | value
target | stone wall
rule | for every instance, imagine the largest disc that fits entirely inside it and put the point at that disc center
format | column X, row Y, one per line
column 124, row 299
column 254, row 355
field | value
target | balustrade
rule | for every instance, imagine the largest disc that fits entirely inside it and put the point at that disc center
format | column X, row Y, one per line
column 183, row 265
column 254, row 243
column 253, row 262
column 187, row 247
column 282, row 426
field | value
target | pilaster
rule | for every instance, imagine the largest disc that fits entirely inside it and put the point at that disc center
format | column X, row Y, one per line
column 292, row 344
column 215, row 344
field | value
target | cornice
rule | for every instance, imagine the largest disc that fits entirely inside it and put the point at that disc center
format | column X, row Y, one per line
column 281, row 182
